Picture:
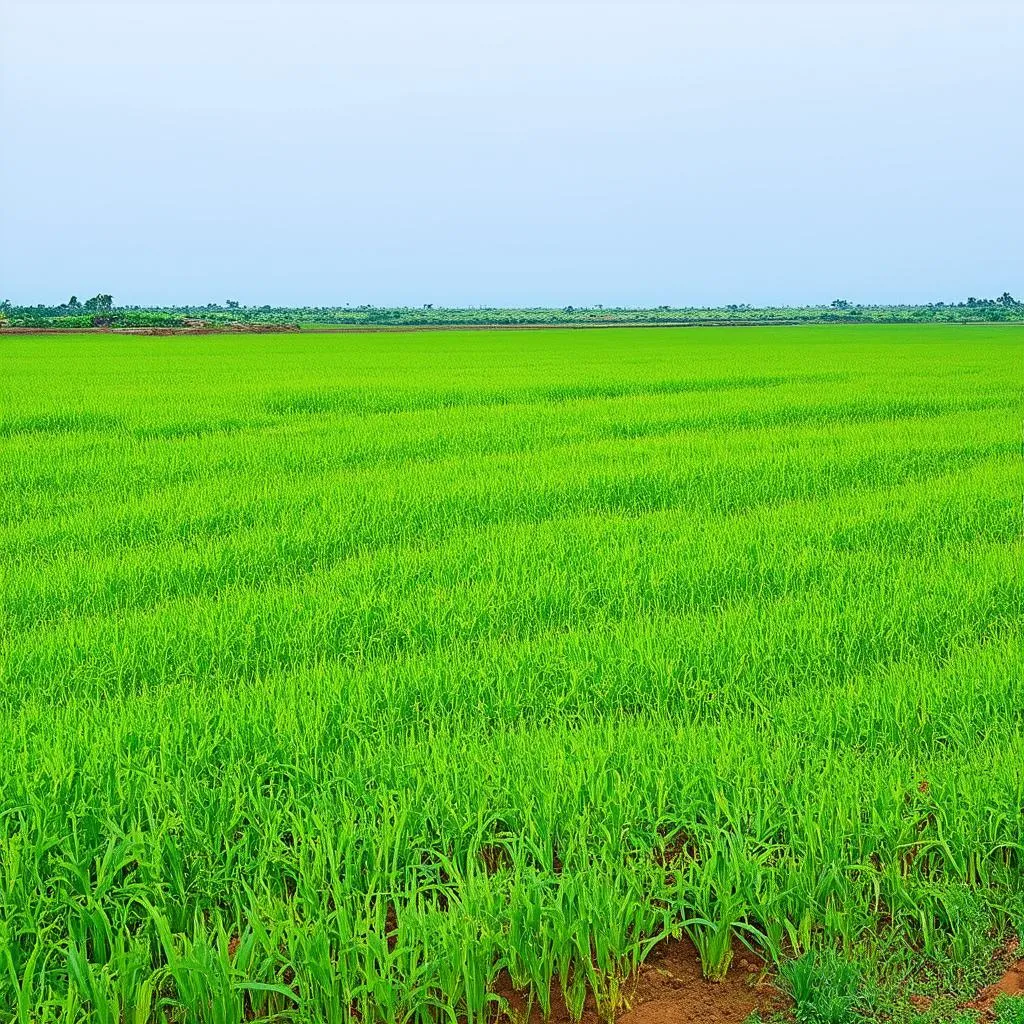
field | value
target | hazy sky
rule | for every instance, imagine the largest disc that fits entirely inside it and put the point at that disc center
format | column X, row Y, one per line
column 511, row 153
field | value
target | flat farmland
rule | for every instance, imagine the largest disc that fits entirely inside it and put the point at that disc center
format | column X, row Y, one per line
column 423, row 676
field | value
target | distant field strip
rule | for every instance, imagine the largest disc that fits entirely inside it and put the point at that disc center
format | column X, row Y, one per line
column 351, row 677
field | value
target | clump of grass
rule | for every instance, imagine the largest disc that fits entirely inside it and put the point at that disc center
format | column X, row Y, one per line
column 1010, row 1010
column 824, row 987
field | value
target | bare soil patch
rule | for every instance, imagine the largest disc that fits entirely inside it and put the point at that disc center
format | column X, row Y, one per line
column 1010, row 984
column 670, row 989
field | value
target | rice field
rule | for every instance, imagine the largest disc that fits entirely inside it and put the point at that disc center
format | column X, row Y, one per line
column 365, row 678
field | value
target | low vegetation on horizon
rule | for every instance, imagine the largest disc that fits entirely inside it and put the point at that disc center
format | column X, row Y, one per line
column 100, row 310
column 378, row 678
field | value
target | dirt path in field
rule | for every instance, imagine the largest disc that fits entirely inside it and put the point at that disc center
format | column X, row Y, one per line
column 1010, row 984
column 669, row 989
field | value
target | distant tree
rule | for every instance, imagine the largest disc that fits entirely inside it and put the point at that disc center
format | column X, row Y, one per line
column 840, row 304
column 1006, row 299
column 73, row 302
column 98, row 304
column 231, row 304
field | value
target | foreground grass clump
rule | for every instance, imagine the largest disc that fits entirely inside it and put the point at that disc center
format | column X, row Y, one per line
column 345, row 677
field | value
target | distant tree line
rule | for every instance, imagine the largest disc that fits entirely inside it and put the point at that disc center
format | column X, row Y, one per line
column 101, row 310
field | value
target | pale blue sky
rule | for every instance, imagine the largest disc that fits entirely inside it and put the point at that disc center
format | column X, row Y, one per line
column 511, row 153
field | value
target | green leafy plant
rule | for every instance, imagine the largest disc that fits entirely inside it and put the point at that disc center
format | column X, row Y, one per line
column 824, row 987
column 1010, row 1009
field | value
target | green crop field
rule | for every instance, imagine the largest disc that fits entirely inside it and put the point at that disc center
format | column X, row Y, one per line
column 365, row 677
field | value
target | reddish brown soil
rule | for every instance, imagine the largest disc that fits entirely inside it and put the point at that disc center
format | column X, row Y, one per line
column 669, row 989
column 394, row 329
column 1010, row 984
column 159, row 331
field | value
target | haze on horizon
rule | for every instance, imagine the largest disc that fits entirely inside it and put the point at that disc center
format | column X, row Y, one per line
column 511, row 153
